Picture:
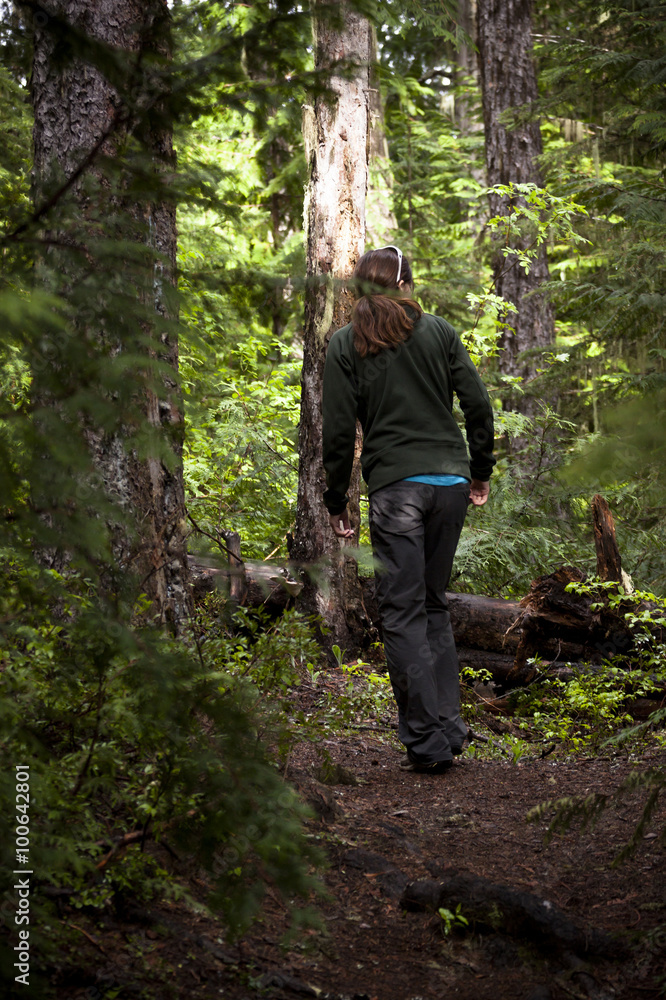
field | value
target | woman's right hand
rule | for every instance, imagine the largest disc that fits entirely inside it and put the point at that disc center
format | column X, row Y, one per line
column 478, row 493
column 340, row 524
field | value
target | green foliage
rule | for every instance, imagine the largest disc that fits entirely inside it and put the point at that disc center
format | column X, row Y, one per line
column 14, row 149
column 587, row 810
column 366, row 696
column 601, row 89
column 436, row 198
column 241, row 262
column 536, row 211
column 534, row 217
column 125, row 730
column 579, row 715
column 134, row 877
column 644, row 614
column 240, row 455
column 590, row 713
column 452, row 920
column 522, row 532
column 273, row 655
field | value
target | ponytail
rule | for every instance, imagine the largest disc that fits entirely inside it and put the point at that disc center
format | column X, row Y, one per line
column 380, row 321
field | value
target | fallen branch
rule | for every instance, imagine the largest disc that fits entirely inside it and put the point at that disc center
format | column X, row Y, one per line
column 85, row 934
column 137, row 836
column 125, row 841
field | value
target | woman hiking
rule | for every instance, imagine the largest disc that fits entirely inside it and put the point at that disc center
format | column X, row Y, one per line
column 396, row 368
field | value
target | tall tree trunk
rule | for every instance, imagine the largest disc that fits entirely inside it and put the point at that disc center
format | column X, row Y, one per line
column 78, row 116
column 336, row 141
column 467, row 107
column 508, row 80
column 380, row 220
column 466, row 72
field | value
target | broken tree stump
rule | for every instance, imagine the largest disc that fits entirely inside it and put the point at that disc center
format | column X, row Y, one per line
column 550, row 613
column 609, row 563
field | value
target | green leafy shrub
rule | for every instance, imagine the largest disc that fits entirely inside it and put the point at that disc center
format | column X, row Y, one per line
column 366, row 695
column 241, row 463
column 272, row 653
column 591, row 712
column 125, row 730
column 452, row 920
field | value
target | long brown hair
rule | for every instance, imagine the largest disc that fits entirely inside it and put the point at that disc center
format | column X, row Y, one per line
column 380, row 319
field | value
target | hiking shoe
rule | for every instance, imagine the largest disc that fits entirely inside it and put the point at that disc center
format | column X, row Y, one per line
column 407, row 763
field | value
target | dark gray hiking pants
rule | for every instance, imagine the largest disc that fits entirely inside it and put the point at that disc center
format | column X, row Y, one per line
column 415, row 530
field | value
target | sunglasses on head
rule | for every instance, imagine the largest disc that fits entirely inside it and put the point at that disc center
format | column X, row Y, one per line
column 399, row 253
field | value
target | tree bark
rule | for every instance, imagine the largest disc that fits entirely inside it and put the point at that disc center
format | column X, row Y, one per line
column 336, row 139
column 466, row 72
column 609, row 563
column 508, row 80
column 379, row 208
column 79, row 116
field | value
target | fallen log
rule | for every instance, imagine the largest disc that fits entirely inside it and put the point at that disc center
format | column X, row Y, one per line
column 502, row 909
column 550, row 630
column 501, row 666
column 495, row 634
column 249, row 584
column 488, row 629
column 494, row 625
column 484, row 622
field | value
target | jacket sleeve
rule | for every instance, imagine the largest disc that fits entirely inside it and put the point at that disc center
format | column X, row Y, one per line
column 339, row 425
column 477, row 409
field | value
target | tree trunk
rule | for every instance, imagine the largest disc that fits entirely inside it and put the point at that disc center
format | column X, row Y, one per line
column 508, row 80
column 609, row 563
column 336, row 139
column 466, row 73
column 79, row 117
column 379, row 202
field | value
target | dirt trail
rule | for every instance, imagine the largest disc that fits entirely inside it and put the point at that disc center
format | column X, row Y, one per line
column 393, row 827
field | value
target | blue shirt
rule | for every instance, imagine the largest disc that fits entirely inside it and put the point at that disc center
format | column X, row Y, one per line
column 436, row 480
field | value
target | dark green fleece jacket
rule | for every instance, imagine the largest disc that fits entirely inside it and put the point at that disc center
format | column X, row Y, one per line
column 403, row 397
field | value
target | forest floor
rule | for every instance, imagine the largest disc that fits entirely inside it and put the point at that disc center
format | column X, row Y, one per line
column 382, row 828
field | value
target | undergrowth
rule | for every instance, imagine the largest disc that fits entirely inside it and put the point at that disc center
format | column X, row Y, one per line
column 141, row 747
column 138, row 743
